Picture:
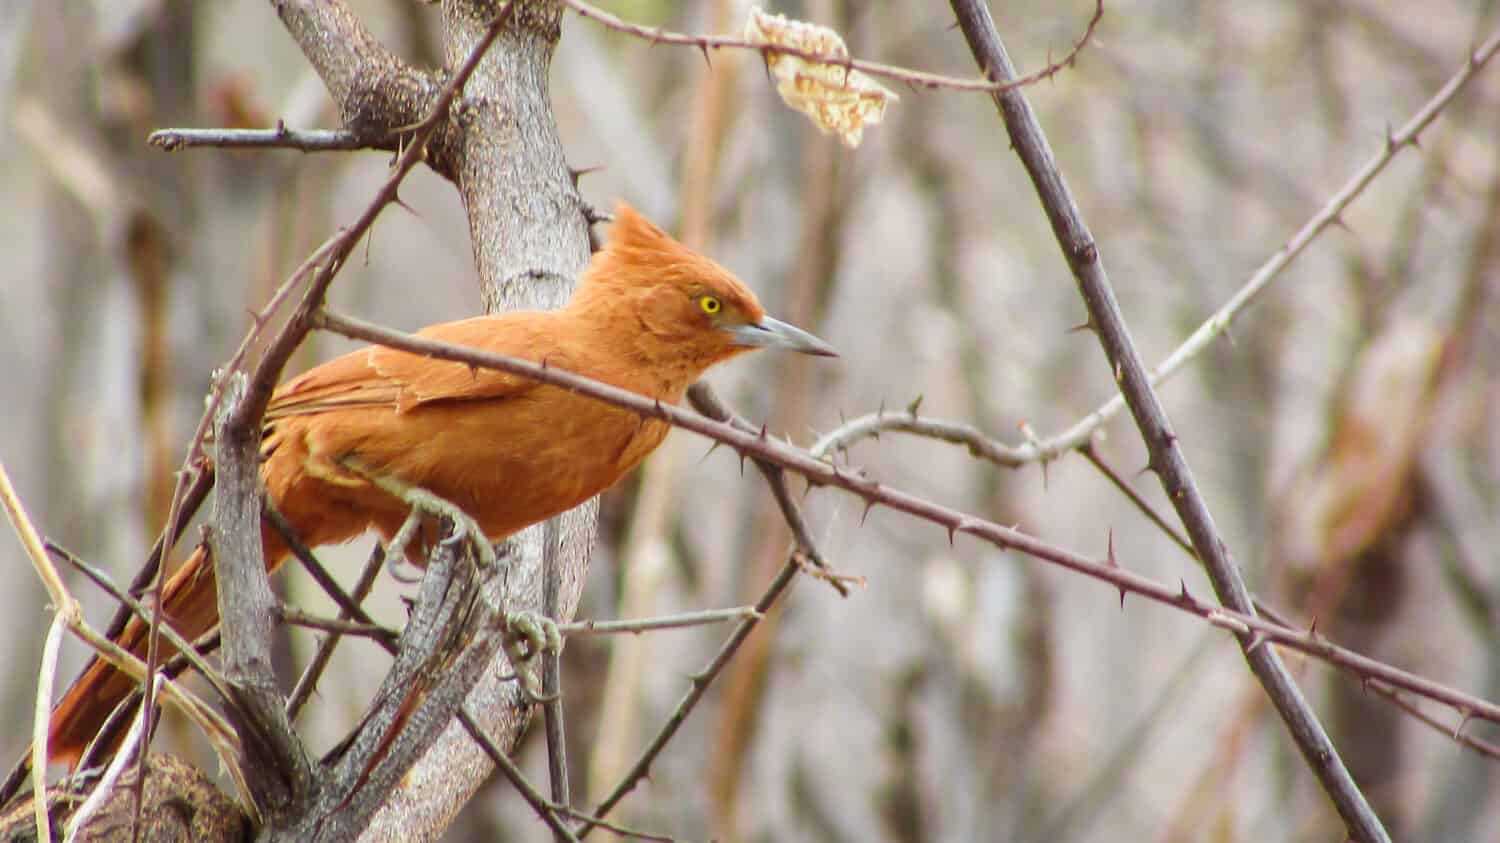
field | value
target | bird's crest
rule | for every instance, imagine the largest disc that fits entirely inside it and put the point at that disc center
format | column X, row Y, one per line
column 641, row 254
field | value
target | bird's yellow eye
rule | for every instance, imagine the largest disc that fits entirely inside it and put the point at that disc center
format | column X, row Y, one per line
column 710, row 305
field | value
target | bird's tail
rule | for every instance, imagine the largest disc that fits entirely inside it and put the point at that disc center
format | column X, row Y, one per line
column 189, row 602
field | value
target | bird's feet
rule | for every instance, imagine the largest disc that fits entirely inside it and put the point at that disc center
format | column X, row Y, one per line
column 527, row 635
column 425, row 503
column 464, row 526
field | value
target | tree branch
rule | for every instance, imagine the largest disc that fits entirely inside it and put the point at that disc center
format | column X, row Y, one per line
column 1167, row 458
column 819, row 472
column 376, row 92
column 914, row 78
column 1327, row 217
column 306, row 140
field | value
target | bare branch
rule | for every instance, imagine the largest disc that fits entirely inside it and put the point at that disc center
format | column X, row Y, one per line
column 1482, row 747
column 310, row 674
column 305, row 140
column 871, row 425
column 375, row 90
column 914, row 78
column 1167, row 458
column 854, row 480
column 220, row 735
column 1325, row 218
column 342, row 626
column 41, row 717
column 707, row 402
column 678, row 621
column 188, row 652
column 700, row 685
column 544, row 809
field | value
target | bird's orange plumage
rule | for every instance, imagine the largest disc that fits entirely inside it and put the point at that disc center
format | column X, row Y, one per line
column 649, row 316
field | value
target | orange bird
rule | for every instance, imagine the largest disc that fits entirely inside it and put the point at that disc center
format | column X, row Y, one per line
column 361, row 440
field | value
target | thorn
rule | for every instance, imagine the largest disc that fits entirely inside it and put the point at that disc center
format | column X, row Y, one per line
column 579, row 173
column 1312, row 629
column 742, row 463
column 1257, row 638
column 1465, row 715
column 1183, row 596
column 869, row 505
column 401, row 203
column 951, row 529
column 656, row 405
column 762, row 435
column 703, row 48
column 1112, row 562
column 713, row 446
column 1085, row 325
column 915, row 404
column 880, row 410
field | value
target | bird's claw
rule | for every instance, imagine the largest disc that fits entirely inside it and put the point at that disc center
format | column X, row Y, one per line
column 527, row 635
column 465, row 528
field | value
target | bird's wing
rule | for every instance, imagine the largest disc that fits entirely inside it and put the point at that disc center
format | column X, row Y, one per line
column 386, row 377
column 535, row 336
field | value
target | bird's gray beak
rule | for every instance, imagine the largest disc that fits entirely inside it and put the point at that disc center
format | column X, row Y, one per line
column 774, row 333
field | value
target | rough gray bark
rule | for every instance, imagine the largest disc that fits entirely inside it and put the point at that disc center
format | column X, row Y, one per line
column 530, row 239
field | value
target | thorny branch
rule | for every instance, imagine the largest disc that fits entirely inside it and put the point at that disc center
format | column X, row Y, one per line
column 1167, row 457
column 539, row 804
column 914, row 78
column 700, row 684
column 818, row 471
column 1329, row 216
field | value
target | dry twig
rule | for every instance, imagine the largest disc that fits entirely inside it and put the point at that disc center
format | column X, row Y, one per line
column 914, row 78
column 819, row 472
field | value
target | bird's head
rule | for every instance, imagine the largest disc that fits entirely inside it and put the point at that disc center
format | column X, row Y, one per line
column 681, row 308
